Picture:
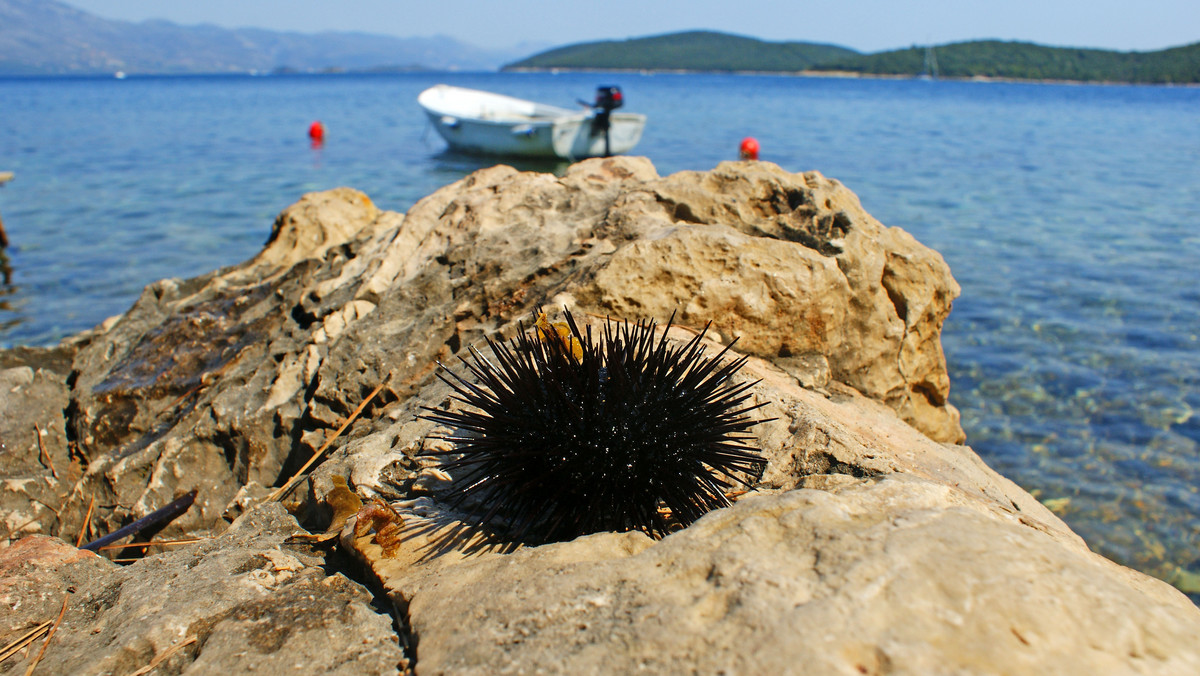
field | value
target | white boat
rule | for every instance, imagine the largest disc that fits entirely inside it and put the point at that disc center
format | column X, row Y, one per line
column 475, row 121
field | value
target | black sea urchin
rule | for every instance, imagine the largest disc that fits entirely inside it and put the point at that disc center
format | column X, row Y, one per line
column 568, row 436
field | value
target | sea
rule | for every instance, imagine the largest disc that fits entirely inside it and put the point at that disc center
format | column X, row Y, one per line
column 1069, row 214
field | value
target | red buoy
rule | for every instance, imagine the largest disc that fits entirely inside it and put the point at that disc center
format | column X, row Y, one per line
column 749, row 149
column 316, row 132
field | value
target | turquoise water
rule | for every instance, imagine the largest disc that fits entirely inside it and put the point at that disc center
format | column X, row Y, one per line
column 1069, row 214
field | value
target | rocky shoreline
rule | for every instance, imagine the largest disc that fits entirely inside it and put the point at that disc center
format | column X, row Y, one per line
column 874, row 543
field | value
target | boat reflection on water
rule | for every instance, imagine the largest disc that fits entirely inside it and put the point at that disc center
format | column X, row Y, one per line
column 461, row 164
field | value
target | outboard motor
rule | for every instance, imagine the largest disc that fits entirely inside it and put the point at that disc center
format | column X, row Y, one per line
column 608, row 99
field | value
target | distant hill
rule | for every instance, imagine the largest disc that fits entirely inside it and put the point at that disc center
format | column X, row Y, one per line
column 49, row 37
column 695, row 50
column 710, row 51
column 1023, row 60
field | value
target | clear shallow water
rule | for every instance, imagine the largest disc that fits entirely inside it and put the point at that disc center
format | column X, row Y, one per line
column 1070, row 216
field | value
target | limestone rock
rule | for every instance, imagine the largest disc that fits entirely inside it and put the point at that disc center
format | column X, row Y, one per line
column 308, row 228
column 36, row 467
column 36, row 573
column 794, row 266
column 895, row 574
column 245, row 600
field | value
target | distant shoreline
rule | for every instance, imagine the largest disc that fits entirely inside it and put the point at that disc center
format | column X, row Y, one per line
column 831, row 74
column 845, row 74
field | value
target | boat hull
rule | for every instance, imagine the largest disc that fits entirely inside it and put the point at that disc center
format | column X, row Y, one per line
column 490, row 124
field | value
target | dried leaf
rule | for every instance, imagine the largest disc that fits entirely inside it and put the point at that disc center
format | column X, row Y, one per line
column 343, row 501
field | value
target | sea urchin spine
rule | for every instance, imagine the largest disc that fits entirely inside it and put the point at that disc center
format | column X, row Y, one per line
column 564, row 435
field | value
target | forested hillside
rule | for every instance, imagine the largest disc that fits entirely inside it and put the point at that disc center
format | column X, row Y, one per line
column 696, row 50
column 1022, row 60
column 711, row 51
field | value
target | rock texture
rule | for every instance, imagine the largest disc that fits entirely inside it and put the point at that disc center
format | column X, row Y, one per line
column 247, row 600
column 896, row 575
column 794, row 266
column 874, row 543
column 36, row 468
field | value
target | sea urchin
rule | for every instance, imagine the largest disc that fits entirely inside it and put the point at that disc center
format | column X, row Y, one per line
column 564, row 435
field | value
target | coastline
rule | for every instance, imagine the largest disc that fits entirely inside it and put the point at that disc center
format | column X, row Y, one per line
column 830, row 74
column 845, row 74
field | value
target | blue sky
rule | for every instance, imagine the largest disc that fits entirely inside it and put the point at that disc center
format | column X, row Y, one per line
column 866, row 25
